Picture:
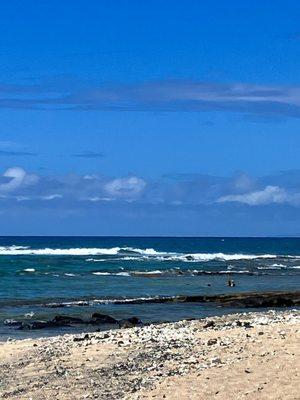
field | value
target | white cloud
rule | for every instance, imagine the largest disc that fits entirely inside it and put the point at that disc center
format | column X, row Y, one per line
column 17, row 185
column 243, row 183
column 125, row 187
column 17, row 177
column 270, row 194
column 22, row 198
column 51, row 197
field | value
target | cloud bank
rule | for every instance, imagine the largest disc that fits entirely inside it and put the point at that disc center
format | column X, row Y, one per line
column 16, row 179
column 268, row 195
column 178, row 190
column 268, row 101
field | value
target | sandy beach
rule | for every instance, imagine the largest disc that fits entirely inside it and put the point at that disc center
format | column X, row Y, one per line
column 251, row 356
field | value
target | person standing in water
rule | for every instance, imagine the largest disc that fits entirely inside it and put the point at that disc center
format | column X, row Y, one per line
column 230, row 282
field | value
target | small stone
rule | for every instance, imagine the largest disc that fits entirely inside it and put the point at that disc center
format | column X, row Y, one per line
column 211, row 342
column 216, row 360
column 209, row 324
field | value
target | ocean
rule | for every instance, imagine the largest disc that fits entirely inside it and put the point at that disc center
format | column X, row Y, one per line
column 46, row 276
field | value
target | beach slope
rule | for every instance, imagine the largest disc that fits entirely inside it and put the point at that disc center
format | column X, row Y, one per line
column 251, row 356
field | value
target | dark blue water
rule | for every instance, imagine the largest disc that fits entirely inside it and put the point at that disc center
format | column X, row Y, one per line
column 37, row 272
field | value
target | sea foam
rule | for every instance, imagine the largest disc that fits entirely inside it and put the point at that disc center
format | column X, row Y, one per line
column 132, row 253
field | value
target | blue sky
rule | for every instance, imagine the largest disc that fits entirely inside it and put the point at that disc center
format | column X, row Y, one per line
column 150, row 118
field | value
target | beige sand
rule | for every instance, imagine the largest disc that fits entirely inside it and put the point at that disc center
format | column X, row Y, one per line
column 185, row 360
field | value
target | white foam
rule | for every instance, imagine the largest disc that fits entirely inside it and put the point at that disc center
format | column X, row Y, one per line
column 204, row 257
column 82, row 251
column 155, row 272
column 106, row 301
column 132, row 258
column 147, row 252
column 122, row 274
column 101, row 273
column 112, row 273
column 69, row 274
column 29, row 270
column 124, row 300
column 29, row 315
column 245, row 271
column 279, row 265
column 139, row 254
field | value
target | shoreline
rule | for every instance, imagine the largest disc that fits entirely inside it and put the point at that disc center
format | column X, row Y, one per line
column 190, row 359
column 63, row 320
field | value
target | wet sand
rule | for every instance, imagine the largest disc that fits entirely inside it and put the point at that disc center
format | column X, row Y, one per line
column 251, row 356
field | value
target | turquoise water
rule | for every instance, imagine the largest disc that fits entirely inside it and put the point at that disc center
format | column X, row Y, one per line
column 37, row 272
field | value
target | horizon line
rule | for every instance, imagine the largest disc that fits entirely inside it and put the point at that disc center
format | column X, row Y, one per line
column 154, row 236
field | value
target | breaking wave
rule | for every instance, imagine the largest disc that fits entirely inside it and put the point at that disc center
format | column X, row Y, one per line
column 15, row 251
column 174, row 273
column 135, row 254
column 111, row 273
column 80, row 251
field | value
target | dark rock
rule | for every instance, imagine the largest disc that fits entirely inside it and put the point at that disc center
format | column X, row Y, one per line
column 56, row 305
column 98, row 318
column 81, row 338
column 129, row 322
column 211, row 342
column 24, row 326
column 41, row 324
column 35, row 325
column 57, row 321
column 209, row 324
column 258, row 300
column 247, row 300
column 62, row 305
column 64, row 320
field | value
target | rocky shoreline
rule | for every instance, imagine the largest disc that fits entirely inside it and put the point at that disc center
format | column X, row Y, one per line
column 100, row 321
column 196, row 359
column 247, row 299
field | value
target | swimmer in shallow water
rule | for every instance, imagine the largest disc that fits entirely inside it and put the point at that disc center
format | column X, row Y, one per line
column 230, row 282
